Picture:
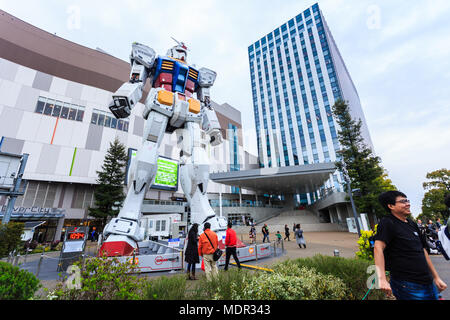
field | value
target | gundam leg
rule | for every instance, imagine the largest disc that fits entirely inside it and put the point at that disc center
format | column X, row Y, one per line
column 123, row 232
column 194, row 176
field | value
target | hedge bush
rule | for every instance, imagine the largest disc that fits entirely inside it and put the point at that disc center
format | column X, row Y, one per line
column 291, row 282
column 16, row 284
column 166, row 288
column 352, row 271
column 103, row 279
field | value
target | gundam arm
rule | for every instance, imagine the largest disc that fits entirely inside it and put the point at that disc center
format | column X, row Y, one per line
column 210, row 123
column 128, row 95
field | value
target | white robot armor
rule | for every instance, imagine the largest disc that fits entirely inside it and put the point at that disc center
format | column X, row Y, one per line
column 170, row 106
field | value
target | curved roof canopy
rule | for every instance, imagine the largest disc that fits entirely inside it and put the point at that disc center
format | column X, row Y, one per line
column 280, row 180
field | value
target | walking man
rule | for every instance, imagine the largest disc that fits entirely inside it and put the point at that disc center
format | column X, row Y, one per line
column 230, row 247
column 265, row 231
column 286, row 232
column 207, row 244
column 400, row 248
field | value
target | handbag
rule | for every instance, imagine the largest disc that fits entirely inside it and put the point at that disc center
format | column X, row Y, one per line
column 217, row 253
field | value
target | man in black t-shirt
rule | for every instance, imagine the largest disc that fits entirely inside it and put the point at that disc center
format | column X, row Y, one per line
column 400, row 249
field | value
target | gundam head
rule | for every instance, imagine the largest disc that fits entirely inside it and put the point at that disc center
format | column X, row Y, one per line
column 178, row 52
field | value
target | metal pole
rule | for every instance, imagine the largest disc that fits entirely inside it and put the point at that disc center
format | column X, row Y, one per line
column 16, row 261
column 12, row 199
column 349, row 190
column 40, row 262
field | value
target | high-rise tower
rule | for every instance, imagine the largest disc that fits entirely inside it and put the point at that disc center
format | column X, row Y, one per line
column 297, row 73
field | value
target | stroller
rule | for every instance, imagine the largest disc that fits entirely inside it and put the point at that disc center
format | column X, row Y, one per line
column 431, row 238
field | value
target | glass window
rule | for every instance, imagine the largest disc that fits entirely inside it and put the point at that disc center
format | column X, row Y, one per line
column 65, row 111
column 57, row 109
column 94, row 118
column 113, row 123
column 40, row 105
column 101, row 119
column 72, row 114
column 48, row 109
column 125, row 126
column 80, row 115
column 120, row 125
column 108, row 121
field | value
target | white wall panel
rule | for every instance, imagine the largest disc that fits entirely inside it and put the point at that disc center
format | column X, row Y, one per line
column 59, row 86
column 88, row 93
column 28, row 127
column 25, row 76
column 34, row 151
column 79, row 134
column 97, row 159
column 45, row 129
column 9, row 92
column 64, row 132
column 64, row 161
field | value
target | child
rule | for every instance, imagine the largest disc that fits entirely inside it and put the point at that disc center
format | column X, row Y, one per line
column 278, row 234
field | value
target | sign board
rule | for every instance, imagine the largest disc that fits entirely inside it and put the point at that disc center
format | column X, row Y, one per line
column 166, row 175
column 9, row 168
column 174, row 243
column 364, row 224
column 351, row 223
column 73, row 247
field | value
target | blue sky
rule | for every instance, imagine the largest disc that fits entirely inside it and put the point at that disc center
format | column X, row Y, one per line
column 397, row 53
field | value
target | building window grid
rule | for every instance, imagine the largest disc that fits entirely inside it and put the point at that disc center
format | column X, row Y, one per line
column 316, row 105
column 106, row 119
column 59, row 109
column 280, row 111
column 288, row 110
column 330, row 70
column 334, row 85
column 263, row 107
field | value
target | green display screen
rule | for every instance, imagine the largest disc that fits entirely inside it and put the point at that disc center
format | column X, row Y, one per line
column 167, row 174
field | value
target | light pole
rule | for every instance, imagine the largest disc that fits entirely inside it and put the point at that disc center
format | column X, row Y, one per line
column 350, row 193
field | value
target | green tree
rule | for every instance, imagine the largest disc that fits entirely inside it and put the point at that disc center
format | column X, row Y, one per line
column 10, row 237
column 357, row 159
column 437, row 187
column 109, row 193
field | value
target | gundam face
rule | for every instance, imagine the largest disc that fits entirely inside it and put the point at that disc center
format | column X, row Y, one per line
column 179, row 52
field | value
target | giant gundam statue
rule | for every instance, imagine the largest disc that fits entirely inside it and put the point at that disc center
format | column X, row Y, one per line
column 170, row 106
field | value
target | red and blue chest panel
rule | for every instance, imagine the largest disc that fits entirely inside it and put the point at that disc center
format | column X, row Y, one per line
column 175, row 76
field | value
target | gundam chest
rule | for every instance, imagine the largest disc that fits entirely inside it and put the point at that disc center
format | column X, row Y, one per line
column 175, row 76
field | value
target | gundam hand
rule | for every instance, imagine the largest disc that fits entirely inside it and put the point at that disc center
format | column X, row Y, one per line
column 125, row 98
column 216, row 137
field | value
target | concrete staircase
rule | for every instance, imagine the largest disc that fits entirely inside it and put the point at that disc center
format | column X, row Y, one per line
column 307, row 219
